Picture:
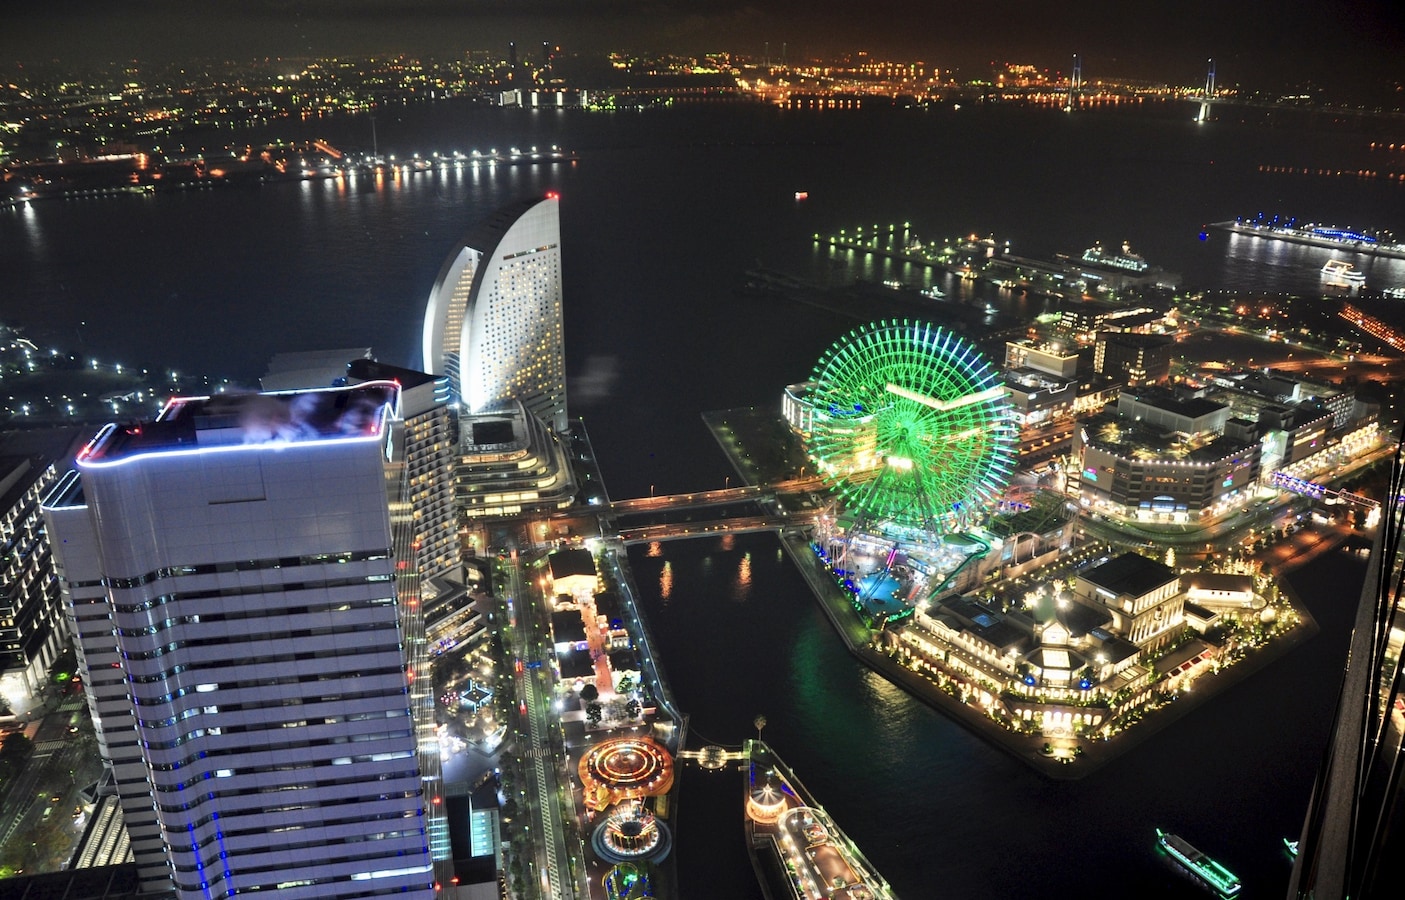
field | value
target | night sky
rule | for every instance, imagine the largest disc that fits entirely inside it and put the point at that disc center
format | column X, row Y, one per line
column 1256, row 43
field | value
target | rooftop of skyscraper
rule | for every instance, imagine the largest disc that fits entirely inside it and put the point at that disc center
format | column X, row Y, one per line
column 231, row 420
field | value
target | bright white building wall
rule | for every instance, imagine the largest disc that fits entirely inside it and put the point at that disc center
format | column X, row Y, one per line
column 79, row 568
column 252, row 592
column 494, row 320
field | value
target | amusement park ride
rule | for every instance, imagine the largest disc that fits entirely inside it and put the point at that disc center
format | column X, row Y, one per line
column 913, row 432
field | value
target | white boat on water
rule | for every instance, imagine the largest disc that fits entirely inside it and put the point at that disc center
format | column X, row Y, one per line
column 1340, row 273
column 1395, row 293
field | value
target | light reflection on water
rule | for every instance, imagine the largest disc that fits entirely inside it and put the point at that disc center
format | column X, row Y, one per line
column 1278, row 266
column 34, row 235
column 665, row 579
column 743, row 588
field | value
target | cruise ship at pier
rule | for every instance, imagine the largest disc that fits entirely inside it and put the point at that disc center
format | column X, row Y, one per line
column 797, row 850
column 1331, row 237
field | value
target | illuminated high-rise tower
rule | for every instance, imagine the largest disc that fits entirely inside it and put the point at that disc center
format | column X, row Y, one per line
column 232, row 570
column 493, row 323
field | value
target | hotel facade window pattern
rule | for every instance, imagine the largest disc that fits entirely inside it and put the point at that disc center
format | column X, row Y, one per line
column 493, row 323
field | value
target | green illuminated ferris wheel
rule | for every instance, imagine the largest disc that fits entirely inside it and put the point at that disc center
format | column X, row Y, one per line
column 911, row 425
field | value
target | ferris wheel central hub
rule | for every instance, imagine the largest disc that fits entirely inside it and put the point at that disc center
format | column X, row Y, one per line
column 930, row 439
column 994, row 393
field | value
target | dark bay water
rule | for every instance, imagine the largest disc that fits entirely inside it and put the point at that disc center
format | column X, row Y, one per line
column 935, row 808
column 662, row 216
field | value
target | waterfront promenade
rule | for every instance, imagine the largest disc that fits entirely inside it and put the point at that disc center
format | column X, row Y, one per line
column 1027, row 747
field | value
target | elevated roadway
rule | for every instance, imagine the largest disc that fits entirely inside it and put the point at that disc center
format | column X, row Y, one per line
column 737, row 525
column 721, row 497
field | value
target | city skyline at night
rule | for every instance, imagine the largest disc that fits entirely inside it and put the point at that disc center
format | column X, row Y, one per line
column 1259, row 45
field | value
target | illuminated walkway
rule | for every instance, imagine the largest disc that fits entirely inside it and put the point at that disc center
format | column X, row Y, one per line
column 557, row 882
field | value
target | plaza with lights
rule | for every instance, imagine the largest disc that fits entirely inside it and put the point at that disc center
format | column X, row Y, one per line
column 784, row 822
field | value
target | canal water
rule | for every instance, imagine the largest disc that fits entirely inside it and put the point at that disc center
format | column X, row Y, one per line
column 938, row 810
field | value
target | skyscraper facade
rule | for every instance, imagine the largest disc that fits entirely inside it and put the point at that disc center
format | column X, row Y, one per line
column 429, row 455
column 1354, row 830
column 233, row 580
column 32, row 624
column 494, row 323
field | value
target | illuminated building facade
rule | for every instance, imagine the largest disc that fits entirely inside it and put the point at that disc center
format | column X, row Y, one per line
column 233, row 575
column 1253, row 390
column 1083, row 321
column 1143, row 595
column 1218, row 590
column 90, row 620
column 1165, row 459
column 430, row 450
column 494, row 321
column 1058, row 663
column 573, row 573
column 424, row 522
column 1063, row 662
column 1036, row 397
column 796, row 407
column 1135, row 358
column 1051, row 359
column 1041, row 381
column 32, row 627
column 510, row 462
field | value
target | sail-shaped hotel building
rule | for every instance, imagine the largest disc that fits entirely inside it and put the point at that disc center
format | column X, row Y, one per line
column 494, row 324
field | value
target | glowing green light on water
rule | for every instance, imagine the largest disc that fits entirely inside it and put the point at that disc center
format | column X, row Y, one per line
column 911, row 424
